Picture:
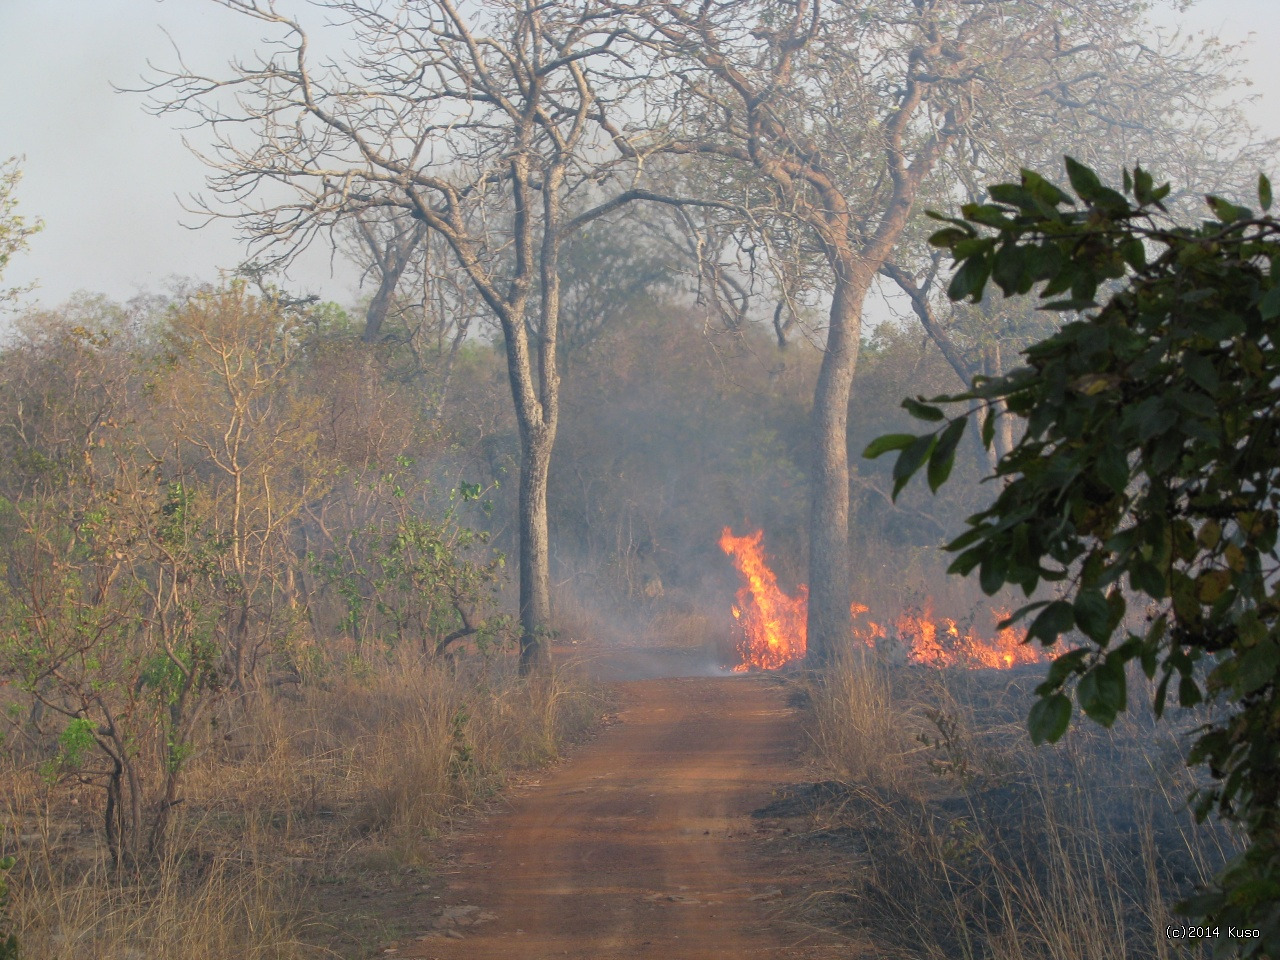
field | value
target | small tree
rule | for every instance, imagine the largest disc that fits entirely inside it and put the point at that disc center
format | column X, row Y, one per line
column 232, row 433
column 407, row 573
column 15, row 231
column 105, row 607
column 1147, row 474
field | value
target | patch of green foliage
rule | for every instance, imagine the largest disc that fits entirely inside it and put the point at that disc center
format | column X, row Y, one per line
column 1148, row 476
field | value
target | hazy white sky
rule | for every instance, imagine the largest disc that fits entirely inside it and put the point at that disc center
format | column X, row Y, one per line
column 107, row 177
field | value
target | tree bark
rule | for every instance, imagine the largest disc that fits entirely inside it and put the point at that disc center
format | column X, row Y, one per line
column 1003, row 440
column 535, row 579
column 829, row 618
column 391, row 256
column 376, row 315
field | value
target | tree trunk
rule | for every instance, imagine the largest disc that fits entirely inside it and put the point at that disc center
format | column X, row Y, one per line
column 829, row 621
column 381, row 303
column 538, row 422
column 1004, row 423
column 535, row 579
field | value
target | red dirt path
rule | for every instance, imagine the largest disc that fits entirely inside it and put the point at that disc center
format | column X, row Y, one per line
column 642, row 845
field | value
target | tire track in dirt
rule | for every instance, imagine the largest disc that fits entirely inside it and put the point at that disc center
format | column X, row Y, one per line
column 641, row 846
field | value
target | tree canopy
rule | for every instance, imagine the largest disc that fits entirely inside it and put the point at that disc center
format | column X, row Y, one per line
column 1144, row 485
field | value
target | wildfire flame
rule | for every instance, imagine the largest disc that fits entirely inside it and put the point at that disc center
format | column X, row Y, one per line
column 773, row 624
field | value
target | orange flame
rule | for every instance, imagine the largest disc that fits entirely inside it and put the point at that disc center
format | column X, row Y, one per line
column 773, row 624
column 941, row 643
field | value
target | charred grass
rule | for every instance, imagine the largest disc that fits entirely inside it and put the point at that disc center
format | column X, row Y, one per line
column 948, row 835
column 308, row 814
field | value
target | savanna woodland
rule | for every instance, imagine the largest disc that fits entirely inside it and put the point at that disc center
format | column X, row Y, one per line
column 292, row 591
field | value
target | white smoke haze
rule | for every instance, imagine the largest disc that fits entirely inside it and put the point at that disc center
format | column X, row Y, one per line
column 108, row 179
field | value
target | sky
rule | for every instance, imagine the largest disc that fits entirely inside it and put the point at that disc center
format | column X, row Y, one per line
column 108, row 179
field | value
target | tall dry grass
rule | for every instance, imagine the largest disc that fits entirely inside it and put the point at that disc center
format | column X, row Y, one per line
column 357, row 772
column 973, row 844
column 860, row 730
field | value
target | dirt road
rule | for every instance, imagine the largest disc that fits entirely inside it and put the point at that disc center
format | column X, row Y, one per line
column 643, row 844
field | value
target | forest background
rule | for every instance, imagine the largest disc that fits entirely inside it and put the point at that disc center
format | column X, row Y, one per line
column 229, row 489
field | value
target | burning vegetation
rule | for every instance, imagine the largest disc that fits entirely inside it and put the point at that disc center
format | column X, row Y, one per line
column 772, row 624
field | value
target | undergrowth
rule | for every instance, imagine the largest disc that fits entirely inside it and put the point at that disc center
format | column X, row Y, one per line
column 355, row 771
column 958, row 839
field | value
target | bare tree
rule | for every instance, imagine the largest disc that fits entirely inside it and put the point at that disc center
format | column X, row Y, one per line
column 480, row 122
column 834, row 119
column 386, row 244
column 840, row 118
column 1162, row 99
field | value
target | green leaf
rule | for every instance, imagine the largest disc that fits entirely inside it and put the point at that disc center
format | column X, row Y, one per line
column 1269, row 305
column 1101, row 692
column 970, row 279
column 1009, row 269
column 910, row 460
column 1146, row 577
column 1211, row 584
column 1264, row 192
column 963, row 565
column 889, row 441
column 1113, row 468
column 1162, row 694
column 1142, row 186
column 1226, row 211
column 970, row 536
column 1013, row 195
column 1116, row 607
column 923, row 411
column 1071, row 304
column 989, row 427
column 1259, row 665
column 987, row 215
column 1083, row 180
column 944, row 453
column 1092, row 615
column 1188, row 692
column 1053, row 621
column 993, row 573
column 1134, row 252
column 1090, row 189
column 949, row 237
column 1200, row 368
column 1049, row 719
column 1061, row 668
column 943, row 218
column 1043, row 190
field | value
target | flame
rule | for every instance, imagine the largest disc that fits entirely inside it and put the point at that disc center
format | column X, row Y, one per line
column 773, row 624
column 941, row 642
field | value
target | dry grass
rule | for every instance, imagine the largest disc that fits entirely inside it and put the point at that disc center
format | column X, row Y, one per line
column 977, row 845
column 354, row 774
column 862, row 733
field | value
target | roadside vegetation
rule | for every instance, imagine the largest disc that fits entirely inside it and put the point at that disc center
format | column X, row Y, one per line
column 947, row 834
column 296, row 814
column 252, row 644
